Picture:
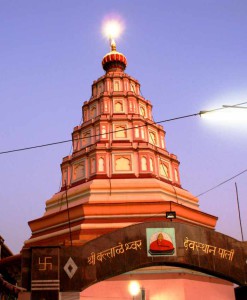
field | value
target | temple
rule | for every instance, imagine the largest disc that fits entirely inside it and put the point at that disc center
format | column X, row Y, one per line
column 120, row 173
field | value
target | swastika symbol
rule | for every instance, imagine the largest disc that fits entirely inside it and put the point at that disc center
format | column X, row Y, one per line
column 46, row 264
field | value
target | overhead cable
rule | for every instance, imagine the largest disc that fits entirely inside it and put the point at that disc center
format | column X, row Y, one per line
column 125, row 129
column 223, row 182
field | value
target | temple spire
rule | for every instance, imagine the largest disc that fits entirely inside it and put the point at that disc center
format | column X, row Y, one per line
column 113, row 46
column 113, row 61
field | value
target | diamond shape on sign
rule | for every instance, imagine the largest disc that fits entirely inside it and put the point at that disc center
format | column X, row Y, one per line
column 70, row 268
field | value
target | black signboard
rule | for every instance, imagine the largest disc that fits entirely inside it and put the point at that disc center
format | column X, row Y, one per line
column 143, row 245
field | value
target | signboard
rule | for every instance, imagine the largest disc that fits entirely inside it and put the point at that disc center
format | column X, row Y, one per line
column 138, row 246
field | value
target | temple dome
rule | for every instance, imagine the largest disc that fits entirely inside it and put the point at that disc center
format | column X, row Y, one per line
column 114, row 61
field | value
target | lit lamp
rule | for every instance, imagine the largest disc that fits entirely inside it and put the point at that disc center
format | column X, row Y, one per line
column 134, row 288
column 170, row 215
column 112, row 29
column 226, row 114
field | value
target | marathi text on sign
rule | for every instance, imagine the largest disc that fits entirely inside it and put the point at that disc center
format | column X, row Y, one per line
column 223, row 253
column 112, row 252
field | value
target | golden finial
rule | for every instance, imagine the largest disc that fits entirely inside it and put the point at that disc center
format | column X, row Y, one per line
column 113, row 44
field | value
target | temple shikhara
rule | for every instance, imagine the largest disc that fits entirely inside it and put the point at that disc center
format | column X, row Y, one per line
column 122, row 214
column 120, row 172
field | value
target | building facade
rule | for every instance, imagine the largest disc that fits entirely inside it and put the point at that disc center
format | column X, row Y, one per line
column 119, row 174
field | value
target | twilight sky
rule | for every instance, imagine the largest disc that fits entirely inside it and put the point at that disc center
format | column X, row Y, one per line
column 188, row 56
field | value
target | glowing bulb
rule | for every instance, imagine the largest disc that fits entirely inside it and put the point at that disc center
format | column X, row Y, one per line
column 227, row 116
column 112, row 29
column 134, row 288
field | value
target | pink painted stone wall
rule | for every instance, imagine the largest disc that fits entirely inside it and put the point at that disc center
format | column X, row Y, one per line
column 163, row 287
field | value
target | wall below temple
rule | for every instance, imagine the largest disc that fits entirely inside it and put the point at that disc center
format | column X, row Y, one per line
column 161, row 287
column 165, row 286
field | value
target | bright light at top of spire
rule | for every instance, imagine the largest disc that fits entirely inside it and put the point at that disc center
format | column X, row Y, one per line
column 112, row 28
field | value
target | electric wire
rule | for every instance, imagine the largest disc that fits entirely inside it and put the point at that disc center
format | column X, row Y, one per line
column 200, row 113
column 223, row 182
column 67, row 203
column 99, row 134
column 125, row 129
